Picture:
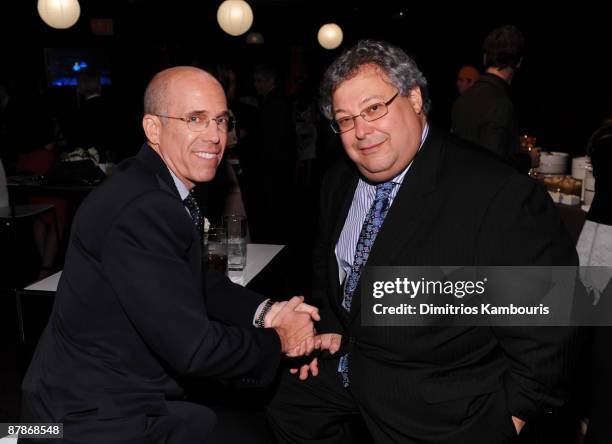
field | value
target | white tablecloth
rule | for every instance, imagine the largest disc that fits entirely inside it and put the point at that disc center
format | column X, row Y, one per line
column 258, row 256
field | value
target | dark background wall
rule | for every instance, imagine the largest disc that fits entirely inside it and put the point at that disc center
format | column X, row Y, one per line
column 562, row 92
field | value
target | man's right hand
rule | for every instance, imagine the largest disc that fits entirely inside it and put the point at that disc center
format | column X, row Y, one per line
column 278, row 306
column 294, row 327
column 328, row 341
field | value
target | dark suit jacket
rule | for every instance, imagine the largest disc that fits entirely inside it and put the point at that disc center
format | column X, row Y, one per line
column 484, row 115
column 458, row 206
column 269, row 166
column 133, row 308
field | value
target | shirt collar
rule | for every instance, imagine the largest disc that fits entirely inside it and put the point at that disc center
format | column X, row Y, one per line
column 180, row 186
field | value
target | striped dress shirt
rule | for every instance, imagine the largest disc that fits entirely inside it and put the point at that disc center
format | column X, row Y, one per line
column 362, row 201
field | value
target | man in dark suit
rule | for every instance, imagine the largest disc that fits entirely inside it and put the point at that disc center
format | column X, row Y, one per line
column 93, row 123
column 269, row 161
column 485, row 114
column 134, row 310
column 415, row 196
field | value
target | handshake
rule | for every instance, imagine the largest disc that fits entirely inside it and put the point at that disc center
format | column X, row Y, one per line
column 293, row 321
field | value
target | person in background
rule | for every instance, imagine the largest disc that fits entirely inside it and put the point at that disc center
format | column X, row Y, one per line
column 466, row 77
column 37, row 156
column 11, row 126
column 135, row 309
column 595, row 252
column 93, row 123
column 269, row 161
column 484, row 114
column 305, row 115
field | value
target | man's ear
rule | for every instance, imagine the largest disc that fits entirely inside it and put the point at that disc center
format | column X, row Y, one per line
column 152, row 128
column 416, row 99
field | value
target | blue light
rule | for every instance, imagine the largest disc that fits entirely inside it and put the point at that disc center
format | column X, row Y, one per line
column 65, row 81
column 79, row 66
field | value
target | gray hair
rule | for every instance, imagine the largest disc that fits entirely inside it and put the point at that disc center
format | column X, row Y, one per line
column 401, row 70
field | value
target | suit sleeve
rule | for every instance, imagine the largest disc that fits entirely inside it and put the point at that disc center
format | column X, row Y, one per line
column 228, row 302
column 329, row 321
column 522, row 227
column 146, row 261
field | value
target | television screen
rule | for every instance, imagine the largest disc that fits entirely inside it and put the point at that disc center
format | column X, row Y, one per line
column 65, row 64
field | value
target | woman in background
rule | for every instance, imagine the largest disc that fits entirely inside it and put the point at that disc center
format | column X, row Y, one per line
column 37, row 156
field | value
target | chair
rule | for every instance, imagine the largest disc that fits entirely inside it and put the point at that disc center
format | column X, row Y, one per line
column 13, row 215
column 12, row 218
column 15, row 229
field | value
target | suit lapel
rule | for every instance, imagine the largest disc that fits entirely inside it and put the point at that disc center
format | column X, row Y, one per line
column 409, row 208
column 344, row 196
column 153, row 163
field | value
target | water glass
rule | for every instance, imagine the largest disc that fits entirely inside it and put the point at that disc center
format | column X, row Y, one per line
column 236, row 228
column 215, row 249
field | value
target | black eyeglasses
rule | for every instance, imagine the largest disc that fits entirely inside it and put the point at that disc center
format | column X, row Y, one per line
column 372, row 112
column 199, row 122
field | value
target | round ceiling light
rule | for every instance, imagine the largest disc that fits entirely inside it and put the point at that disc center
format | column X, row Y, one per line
column 330, row 36
column 59, row 14
column 235, row 17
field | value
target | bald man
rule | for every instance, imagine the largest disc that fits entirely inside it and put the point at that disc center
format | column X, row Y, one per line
column 134, row 310
column 466, row 77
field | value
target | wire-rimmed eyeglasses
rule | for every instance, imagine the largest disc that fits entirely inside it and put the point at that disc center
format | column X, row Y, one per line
column 199, row 121
column 372, row 112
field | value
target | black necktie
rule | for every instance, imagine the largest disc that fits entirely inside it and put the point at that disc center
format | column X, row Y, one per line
column 194, row 210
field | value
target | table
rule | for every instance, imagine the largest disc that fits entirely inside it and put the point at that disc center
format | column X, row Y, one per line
column 38, row 186
column 258, row 256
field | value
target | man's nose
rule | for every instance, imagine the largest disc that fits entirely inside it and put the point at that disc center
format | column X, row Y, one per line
column 211, row 133
column 362, row 127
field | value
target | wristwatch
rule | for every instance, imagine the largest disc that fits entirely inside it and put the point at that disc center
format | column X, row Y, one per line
column 259, row 322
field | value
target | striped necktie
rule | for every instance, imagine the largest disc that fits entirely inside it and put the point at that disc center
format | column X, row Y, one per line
column 369, row 230
column 372, row 223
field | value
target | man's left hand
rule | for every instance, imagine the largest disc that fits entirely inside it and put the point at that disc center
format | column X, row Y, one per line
column 313, row 368
column 327, row 341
